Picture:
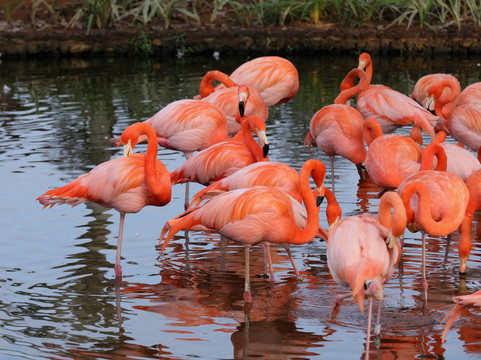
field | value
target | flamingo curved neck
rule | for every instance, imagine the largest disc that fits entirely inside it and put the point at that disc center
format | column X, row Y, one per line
column 371, row 130
column 398, row 219
column 446, row 101
column 245, row 135
column 206, row 88
column 428, row 154
column 307, row 234
column 349, row 90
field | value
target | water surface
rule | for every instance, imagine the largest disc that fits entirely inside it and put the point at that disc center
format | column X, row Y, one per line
column 57, row 295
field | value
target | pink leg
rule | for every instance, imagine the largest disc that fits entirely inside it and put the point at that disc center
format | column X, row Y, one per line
column 332, row 173
column 368, row 336
column 267, row 253
column 118, row 270
column 289, row 253
column 424, row 281
column 186, row 203
column 247, row 285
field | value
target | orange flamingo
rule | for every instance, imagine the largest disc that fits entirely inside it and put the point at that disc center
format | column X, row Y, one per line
column 389, row 107
column 435, row 200
column 430, row 88
column 126, row 184
column 274, row 77
column 224, row 158
column 390, row 158
column 250, row 102
column 474, row 187
column 337, row 130
column 462, row 302
column 255, row 215
column 470, row 95
column 363, row 250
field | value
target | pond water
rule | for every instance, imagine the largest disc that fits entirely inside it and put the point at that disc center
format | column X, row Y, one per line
column 58, row 299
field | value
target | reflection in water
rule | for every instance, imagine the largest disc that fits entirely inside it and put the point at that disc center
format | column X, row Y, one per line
column 57, row 295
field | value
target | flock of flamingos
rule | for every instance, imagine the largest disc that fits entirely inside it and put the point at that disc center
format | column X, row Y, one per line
column 433, row 188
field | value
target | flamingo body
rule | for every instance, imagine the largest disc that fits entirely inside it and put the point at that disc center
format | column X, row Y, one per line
column 470, row 95
column 464, row 125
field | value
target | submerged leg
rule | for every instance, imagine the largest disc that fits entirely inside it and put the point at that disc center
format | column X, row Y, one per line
column 247, row 285
column 424, row 281
column 368, row 336
column 266, row 249
column 377, row 328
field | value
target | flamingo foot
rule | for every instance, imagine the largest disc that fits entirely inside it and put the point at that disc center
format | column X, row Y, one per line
column 300, row 279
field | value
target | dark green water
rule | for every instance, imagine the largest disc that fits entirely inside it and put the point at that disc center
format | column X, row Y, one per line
column 57, row 295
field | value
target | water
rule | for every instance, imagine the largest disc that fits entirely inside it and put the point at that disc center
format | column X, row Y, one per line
column 57, row 295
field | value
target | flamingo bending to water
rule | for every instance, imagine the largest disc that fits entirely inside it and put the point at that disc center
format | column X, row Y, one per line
column 363, row 250
column 126, row 184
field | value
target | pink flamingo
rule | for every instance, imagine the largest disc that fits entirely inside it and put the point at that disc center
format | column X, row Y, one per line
column 389, row 107
column 470, row 95
column 464, row 125
column 390, row 158
column 258, row 214
column 337, row 130
column 250, row 102
column 435, row 200
column 223, row 159
column 363, row 250
column 126, row 184
column 430, row 88
column 462, row 302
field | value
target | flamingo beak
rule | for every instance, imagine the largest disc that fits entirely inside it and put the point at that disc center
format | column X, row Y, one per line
column 243, row 95
column 261, row 135
column 241, row 108
column 362, row 64
column 128, row 149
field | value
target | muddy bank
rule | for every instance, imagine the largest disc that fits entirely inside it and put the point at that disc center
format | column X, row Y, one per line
column 327, row 38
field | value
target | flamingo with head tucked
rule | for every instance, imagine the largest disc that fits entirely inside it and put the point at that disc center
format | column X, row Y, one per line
column 254, row 215
column 126, row 184
column 363, row 250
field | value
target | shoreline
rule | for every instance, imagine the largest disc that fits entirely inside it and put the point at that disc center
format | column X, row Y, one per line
column 186, row 39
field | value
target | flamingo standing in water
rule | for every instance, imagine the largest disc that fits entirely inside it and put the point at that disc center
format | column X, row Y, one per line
column 126, row 184
column 337, row 130
column 224, row 158
column 389, row 107
column 255, row 215
column 462, row 302
column 443, row 85
column 390, row 158
column 435, row 200
column 250, row 102
column 274, row 77
column 363, row 250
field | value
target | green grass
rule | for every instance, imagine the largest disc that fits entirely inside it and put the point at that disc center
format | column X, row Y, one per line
column 102, row 14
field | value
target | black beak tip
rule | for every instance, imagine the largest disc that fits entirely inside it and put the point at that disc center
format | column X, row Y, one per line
column 319, row 200
column 265, row 150
column 241, row 108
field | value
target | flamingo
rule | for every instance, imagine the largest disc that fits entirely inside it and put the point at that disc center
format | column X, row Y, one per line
column 258, row 214
column 390, row 158
column 462, row 302
column 430, row 88
column 389, row 107
column 224, row 158
column 435, row 200
column 274, row 77
column 250, row 102
column 464, row 125
column 126, row 184
column 337, row 130
column 470, row 95
column 474, row 187
column 363, row 250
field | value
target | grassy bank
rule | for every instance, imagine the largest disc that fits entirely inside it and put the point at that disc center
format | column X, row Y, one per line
column 165, row 14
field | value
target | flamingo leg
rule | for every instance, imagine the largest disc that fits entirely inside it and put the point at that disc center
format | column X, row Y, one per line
column 424, row 281
column 186, row 203
column 247, row 285
column 337, row 305
column 223, row 242
column 368, row 336
column 291, row 258
column 267, row 256
column 118, row 269
column 448, row 244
